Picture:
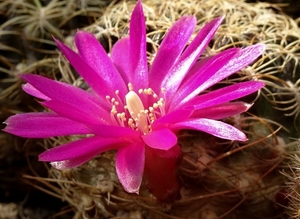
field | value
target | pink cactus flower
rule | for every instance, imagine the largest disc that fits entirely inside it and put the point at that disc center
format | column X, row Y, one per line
column 131, row 106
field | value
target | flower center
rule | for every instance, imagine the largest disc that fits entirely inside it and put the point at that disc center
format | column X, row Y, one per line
column 137, row 112
column 137, row 115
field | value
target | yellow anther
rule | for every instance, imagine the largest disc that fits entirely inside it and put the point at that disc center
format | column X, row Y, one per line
column 113, row 110
column 149, row 91
column 123, row 116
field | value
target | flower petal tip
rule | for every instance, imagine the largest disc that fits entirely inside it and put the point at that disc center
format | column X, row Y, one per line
column 248, row 106
column 132, row 190
column 5, row 122
column 131, row 187
column 259, row 84
column 24, row 76
column 41, row 157
column 245, row 139
column 59, row 44
column 53, row 37
column 261, row 47
column 239, row 136
column 60, row 165
column 217, row 21
column 138, row 8
column 57, row 41
column 83, row 34
column 221, row 18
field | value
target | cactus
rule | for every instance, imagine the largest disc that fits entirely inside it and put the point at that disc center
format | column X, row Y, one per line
column 219, row 178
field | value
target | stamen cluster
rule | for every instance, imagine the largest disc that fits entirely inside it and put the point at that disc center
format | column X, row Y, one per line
column 134, row 114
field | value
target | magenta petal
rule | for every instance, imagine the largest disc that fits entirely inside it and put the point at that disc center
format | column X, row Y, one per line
column 198, row 45
column 225, row 94
column 43, row 125
column 197, row 67
column 75, row 162
column 130, row 162
column 242, row 59
column 175, row 76
column 111, row 131
column 61, row 91
column 193, row 86
column 28, row 88
column 170, row 49
column 81, row 148
column 97, row 83
column 213, row 127
column 72, row 97
column 137, row 48
column 77, row 113
column 162, row 139
column 95, row 56
column 222, row 111
column 121, row 59
column 173, row 117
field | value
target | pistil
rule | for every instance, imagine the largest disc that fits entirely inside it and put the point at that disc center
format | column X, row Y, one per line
column 137, row 112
